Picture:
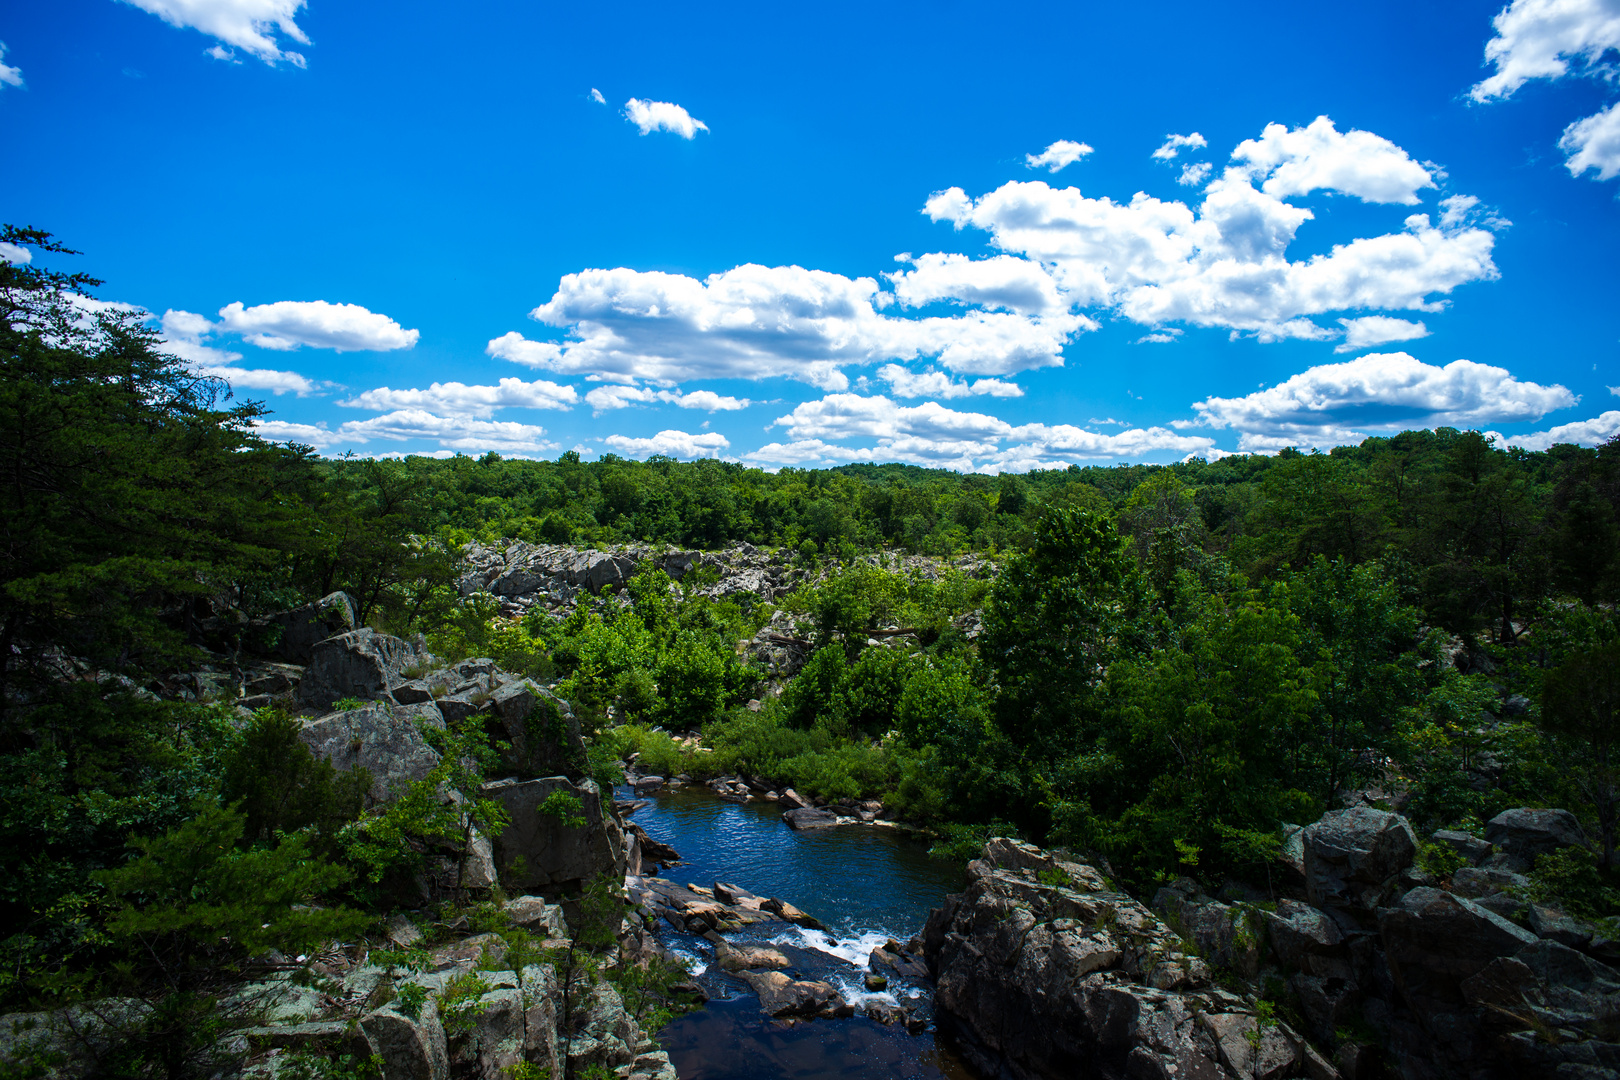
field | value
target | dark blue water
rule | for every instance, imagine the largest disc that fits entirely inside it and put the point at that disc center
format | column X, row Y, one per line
column 867, row 884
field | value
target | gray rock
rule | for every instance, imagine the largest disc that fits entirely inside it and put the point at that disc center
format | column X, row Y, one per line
column 540, row 996
column 300, row 629
column 808, row 817
column 1327, row 1003
column 533, row 914
column 411, row 1048
column 1354, row 856
column 1225, row 935
column 542, row 851
column 1306, row 940
column 1529, row 833
column 782, row 997
column 360, row 664
column 493, row 1042
column 541, row 727
column 1477, row 881
column 1467, row 845
column 391, row 750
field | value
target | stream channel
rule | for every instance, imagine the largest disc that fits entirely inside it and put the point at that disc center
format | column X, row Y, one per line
column 866, row 884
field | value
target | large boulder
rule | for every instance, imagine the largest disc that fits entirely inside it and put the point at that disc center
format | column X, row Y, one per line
column 411, row 1047
column 1307, row 940
column 1526, row 834
column 361, row 664
column 1434, row 942
column 298, row 631
column 545, row 851
column 391, row 749
column 540, row 727
column 1354, row 857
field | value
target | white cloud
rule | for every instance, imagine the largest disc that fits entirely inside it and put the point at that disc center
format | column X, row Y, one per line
column 931, row 434
column 756, row 322
column 652, row 116
column 1333, row 404
column 671, row 443
column 277, row 382
column 1593, row 432
column 9, row 76
column 937, row 384
column 605, row 398
column 1194, row 173
column 315, row 435
column 1059, row 155
column 1371, row 330
column 1537, row 39
column 249, row 25
column 1174, row 144
column 1001, row 281
column 459, row 399
column 1226, row 264
column 183, row 334
column 288, row 324
column 1318, row 157
column 14, row 254
column 1594, row 143
column 451, row 432
column 596, row 96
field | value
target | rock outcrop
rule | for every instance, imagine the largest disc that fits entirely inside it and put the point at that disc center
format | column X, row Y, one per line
column 549, row 845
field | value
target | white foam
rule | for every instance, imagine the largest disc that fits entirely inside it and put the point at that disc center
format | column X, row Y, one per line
column 854, row 951
column 858, row 995
column 695, row 965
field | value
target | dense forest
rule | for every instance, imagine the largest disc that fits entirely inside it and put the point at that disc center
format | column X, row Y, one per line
column 1158, row 666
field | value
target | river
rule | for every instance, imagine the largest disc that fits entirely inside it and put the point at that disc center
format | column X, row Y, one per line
column 866, row 884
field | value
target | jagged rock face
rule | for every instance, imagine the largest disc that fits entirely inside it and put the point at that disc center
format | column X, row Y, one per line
column 1058, row 981
column 1526, row 834
column 298, row 631
column 541, row 727
column 541, row 851
column 360, row 664
column 391, row 749
column 1353, row 858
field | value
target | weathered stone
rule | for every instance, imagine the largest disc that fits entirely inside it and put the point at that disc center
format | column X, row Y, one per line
column 1235, row 1035
column 297, row 631
column 781, row 996
column 1228, row 936
column 360, row 664
column 540, row 995
column 412, row 1048
column 744, row 957
column 393, row 751
column 653, row 850
column 541, row 727
column 492, row 1042
column 809, row 818
column 1305, row 939
column 1467, row 845
column 1476, row 881
column 533, row 914
column 544, row 851
column 1550, row 922
column 1352, row 857
column 1529, row 833
column 792, row 914
column 1327, row 1003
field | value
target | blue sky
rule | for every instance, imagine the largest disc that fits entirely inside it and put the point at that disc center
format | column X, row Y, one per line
column 415, row 228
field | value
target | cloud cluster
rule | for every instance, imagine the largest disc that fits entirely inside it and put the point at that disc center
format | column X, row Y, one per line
column 652, row 116
column 757, row 322
column 249, row 25
column 931, row 434
column 1225, row 264
column 670, row 443
column 287, row 324
column 1175, row 144
column 459, row 399
column 606, row 398
column 451, row 433
column 9, row 76
column 1373, row 330
column 1060, row 154
column 1544, row 39
column 1333, row 404
column 937, row 384
column 1000, row 282
column 185, row 334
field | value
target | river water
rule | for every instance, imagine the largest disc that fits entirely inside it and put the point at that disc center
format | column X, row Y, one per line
column 866, row 884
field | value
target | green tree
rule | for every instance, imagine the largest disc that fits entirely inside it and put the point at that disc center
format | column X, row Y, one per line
column 1580, row 701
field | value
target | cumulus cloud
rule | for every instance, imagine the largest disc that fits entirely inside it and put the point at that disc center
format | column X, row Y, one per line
column 1333, row 404
column 459, row 399
column 1002, row 281
column 652, row 116
column 451, row 432
column 1318, row 157
column 183, row 335
column 1371, row 330
column 1175, row 144
column 937, row 384
column 1194, row 173
column 287, row 324
column 596, row 96
column 9, row 76
column 1060, row 154
column 1225, row 264
column 315, row 435
column 671, row 443
column 249, row 25
column 605, row 398
column 756, row 322
column 1593, row 432
column 931, row 434
column 277, row 382
column 15, row 254
column 1594, row 143
column 1537, row 39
